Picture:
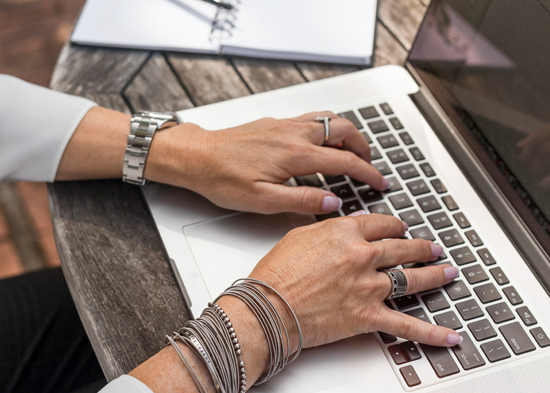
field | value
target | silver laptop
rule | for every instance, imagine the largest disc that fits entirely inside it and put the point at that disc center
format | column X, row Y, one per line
column 462, row 133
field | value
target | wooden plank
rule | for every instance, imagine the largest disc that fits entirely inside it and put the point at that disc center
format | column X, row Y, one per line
column 263, row 75
column 316, row 71
column 387, row 49
column 402, row 18
column 207, row 79
column 109, row 100
column 81, row 69
column 117, row 271
column 156, row 88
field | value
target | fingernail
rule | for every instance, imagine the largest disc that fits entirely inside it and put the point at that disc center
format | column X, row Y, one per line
column 405, row 226
column 357, row 213
column 437, row 250
column 331, row 203
column 385, row 183
column 454, row 339
column 450, row 272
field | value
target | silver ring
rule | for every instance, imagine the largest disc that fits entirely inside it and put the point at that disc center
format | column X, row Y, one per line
column 327, row 127
column 399, row 283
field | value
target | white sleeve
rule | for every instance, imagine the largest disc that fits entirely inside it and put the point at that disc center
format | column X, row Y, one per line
column 125, row 384
column 36, row 125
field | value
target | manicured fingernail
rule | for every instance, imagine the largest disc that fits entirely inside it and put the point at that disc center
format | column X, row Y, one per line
column 454, row 339
column 405, row 226
column 385, row 183
column 437, row 250
column 358, row 213
column 331, row 203
column 450, row 272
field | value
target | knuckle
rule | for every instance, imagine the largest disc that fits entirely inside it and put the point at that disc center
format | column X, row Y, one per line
column 348, row 159
column 309, row 201
column 407, row 327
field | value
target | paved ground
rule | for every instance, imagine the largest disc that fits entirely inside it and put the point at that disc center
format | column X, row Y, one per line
column 32, row 33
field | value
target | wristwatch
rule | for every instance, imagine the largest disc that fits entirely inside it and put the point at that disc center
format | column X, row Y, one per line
column 144, row 124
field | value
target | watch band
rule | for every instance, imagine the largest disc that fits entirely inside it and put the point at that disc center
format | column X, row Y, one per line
column 143, row 127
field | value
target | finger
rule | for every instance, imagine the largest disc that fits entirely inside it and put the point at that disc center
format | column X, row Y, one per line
column 304, row 200
column 399, row 251
column 311, row 116
column 423, row 278
column 378, row 226
column 411, row 328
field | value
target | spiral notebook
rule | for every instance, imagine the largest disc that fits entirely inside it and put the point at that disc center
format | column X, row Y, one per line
column 312, row 30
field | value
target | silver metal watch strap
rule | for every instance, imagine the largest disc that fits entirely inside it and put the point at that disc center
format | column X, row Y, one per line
column 143, row 126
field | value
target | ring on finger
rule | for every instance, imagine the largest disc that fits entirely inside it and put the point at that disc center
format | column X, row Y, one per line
column 324, row 120
column 398, row 281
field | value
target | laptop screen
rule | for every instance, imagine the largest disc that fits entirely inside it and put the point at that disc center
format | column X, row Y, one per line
column 488, row 64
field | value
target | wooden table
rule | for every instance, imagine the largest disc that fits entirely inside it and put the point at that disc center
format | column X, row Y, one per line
column 111, row 252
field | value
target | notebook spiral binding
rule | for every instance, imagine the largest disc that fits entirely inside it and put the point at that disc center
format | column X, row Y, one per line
column 225, row 20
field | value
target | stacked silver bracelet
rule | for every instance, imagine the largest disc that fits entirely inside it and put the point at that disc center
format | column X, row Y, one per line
column 213, row 339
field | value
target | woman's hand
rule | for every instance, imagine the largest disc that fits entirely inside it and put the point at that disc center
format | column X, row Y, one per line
column 244, row 168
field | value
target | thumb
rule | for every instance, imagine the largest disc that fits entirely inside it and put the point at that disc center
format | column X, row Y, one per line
column 305, row 200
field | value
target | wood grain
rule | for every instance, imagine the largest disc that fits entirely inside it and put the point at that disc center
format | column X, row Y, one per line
column 388, row 50
column 263, row 75
column 402, row 18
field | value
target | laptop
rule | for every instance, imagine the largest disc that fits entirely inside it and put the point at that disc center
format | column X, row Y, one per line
column 463, row 134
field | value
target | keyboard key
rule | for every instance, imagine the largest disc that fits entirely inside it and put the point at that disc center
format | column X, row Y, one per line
column 323, row 217
column 461, row 220
column 473, row 238
column 526, row 316
column 367, row 137
column 439, row 220
column 487, row 293
column 449, row 320
column 351, row 117
column 416, row 153
column 381, row 208
column 435, row 301
column 369, row 112
column 467, row 353
column 463, row 256
column 512, row 296
column 387, row 338
column 382, row 167
column 375, row 153
column 387, row 141
column 540, row 337
column 396, row 123
column 451, row 238
column 486, row 257
column 516, row 338
column 406, row 138
column 475, row 274
column 407, row 171
column 500, row 313
column 438, row 186
column 410, row 376
column 428, row 204
column 441, row 360
column 499, row 276
column 397, row 354
column 411, row 351
column 351, row 207
column 333, row 179
column 418, row 187
column 397, row 156
column 469, row 309
column 482, row 330
column 420, row 314
column 422, row 233
column 411, row 217
column 309, row 180
column 400, row 201
column 369, row 195
column 495, row 351
column 449, row 202
column 457, row 290
column 406, row 301
column 378, row 126
column 427, row 169
column 344, row 191
column 394, row 185
column 386, row 109
column 357, row 183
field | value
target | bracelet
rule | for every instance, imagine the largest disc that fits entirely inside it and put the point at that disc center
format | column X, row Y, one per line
column 172, row 341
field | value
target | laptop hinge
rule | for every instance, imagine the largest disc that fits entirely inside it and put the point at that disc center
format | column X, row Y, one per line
column 520, row 235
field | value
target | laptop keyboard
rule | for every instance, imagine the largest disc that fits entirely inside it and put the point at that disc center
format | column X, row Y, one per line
column 482, row 304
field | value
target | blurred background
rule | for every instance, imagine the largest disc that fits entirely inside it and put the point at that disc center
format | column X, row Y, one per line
column 32, row 33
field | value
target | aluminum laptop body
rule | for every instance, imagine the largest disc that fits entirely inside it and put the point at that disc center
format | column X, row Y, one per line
column 446, row 147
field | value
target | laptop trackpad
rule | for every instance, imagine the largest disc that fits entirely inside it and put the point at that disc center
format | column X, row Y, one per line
column 228, row 248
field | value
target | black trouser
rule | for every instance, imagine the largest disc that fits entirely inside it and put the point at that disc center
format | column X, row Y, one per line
column 43, row 346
